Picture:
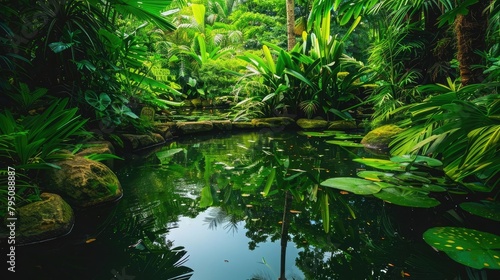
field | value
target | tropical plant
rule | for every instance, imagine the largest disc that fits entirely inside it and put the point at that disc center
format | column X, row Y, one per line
column 312, row 79
column 458, row 127
column 36, row 141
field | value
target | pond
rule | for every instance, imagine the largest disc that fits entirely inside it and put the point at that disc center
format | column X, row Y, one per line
column 215, row 207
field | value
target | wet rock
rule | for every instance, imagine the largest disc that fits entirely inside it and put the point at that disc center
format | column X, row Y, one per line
column 223, row 125
column 46, row 219
column 98, row 147
column 141, row 141
column 273, row 122
column 83, row 182
column 342, row 125
column 166, row 130
column 243, row 125
column 378, row 139
column 194, row 127
column 309, row 124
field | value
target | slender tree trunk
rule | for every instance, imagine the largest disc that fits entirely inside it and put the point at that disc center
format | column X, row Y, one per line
column 470, row 30
column 290, row 23
column 284, row 233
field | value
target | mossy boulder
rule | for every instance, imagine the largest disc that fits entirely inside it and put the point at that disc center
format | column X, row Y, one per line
column 83, row 182
column 223, row 125
column 98, row 147
column 194, row 127
column 342, row 125
column 243, row 125
column 379, row 138
column 42, row 220
column 141, row 141
column 273, row 122
column 312, row 124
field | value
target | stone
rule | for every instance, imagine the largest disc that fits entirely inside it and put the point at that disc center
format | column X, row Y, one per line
column 223, row 125
column 309, row 124
column 342, row 125
column 243, row 125
column 141, row 141
column 84, row 182
column 43, row 220
column 378, row 139
column 166, row 129
column 98, row 147
column 194, row 127
column 147, row 115
column 273, row 122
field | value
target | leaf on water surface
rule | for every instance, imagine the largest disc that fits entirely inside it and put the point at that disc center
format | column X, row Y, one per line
column 326, row 133
column 470, row 247
column 406, row 197
column 383, row 164
column 354, row 185
column 345, row 136
column 417, row 159
column 486, row 209
column 345, row 143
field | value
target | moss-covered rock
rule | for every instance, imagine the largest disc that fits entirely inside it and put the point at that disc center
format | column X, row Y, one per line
column 223, row 125
column 42, row 220
column 141, row 141
column 273, row 122
column 83, row 182
column 309, row 124
column 342, row 125
column 194, row 127
column 243, row 125
column 379, row 138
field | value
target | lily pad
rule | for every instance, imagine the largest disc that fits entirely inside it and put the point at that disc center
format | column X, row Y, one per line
column 345, row 143
column 433, row 188
column 418, row 159
column 354, row 185
column 486, row 209
column 326, row 133
column 470, row 247
column 345, row 136
column 407, row 198
column 382, row 164
column 410, row 177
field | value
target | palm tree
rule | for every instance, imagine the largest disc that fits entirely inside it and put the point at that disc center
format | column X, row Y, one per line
column 470, row 29
column 290, row 23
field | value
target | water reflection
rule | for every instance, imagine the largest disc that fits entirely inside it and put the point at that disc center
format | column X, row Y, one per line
column 242, row 180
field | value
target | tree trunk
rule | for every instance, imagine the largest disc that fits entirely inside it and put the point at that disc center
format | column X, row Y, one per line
column 290, row 23
column 470, row 30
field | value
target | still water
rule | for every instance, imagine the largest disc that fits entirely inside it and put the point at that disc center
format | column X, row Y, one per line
column 214, row 208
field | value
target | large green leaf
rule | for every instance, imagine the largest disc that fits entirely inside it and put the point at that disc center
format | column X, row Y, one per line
column 354, row 185
column 486, row 209
column 417, row 159
column 383, row 164
column 345, row 143
column 470, row 247
column 406, row 197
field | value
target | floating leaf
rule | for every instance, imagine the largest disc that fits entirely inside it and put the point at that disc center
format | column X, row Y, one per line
column 345, row 143
column 470, row 247
column 417, row 159
column 404, row 197
column 344, row 136
column 354, row 185
column 326, row 133
column 433, row 188
column 382, row 164
column 410, row 177
column 486, row 209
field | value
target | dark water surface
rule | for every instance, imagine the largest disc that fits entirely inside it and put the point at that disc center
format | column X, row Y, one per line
column 159, row 224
